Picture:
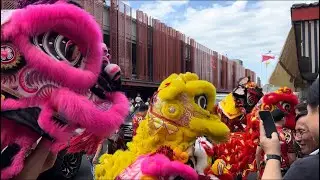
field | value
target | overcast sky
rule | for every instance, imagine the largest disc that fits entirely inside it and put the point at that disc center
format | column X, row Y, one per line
column 239, row 29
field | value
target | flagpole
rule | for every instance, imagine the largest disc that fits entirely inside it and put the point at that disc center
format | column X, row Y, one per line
column 261, row 68
column 267, row 72
column 266, row 62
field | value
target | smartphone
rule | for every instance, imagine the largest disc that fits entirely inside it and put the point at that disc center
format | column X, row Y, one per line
column 268, row 123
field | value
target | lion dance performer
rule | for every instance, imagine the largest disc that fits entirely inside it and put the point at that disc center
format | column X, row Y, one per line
column 234, row 109
column 237, row 156
column 53, row 81
column 179, row 112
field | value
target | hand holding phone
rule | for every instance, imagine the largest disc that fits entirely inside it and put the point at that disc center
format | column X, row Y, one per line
column 268, row 123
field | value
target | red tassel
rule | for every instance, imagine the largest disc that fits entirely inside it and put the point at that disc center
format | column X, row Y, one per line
column 86, row 142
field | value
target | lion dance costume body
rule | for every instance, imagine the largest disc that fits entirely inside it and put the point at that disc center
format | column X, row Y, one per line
column 237, row 156
column 180, row 111
column 234, row 109
column 55, row 79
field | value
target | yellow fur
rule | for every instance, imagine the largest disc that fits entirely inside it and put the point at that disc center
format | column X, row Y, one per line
column 174, row 101
column 228, row 106
column 219, row 167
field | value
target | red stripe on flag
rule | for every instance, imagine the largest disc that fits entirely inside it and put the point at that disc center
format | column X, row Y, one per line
column 267, row 57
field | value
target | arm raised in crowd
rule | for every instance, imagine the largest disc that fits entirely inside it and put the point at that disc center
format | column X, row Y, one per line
column 270, row 146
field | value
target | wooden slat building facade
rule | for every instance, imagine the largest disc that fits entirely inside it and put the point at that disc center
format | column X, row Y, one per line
column 148, row 51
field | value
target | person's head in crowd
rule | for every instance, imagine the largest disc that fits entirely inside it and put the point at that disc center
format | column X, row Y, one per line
column 301, row 107
column 312, row 118
column 302, row 134
column 138, row 99
column 142, row 110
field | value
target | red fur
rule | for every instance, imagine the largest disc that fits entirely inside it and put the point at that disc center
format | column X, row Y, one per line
column 241, row 146
column 86, row 142
column 68, row 20
column 274, row 98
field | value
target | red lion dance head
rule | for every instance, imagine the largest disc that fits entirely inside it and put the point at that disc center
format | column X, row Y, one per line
column 239, row 152
column 281, row 101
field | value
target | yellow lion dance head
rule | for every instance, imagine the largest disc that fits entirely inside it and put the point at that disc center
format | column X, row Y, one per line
column 185, row 103
column 179, row 112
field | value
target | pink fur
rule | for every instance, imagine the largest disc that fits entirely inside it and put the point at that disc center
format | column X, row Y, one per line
column 11, row 104
column 68, row 20
column 25, row 138
column 79, row 110
column 159, row 165
column 82, row 29
column 61, row 134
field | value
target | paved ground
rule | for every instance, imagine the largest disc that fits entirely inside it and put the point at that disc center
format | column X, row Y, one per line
column 84, row 171
column 83, row 174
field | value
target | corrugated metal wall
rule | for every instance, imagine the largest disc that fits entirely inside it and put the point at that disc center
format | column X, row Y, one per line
column 160, row 50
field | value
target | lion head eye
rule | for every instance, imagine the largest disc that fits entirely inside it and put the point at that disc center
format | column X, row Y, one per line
column 286, row 106
column 201, row 100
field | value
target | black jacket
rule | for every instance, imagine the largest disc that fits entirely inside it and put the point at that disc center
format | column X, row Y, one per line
column 306, row 168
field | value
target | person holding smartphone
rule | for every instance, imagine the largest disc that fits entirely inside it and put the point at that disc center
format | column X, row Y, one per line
column 304, row 168
column 288, row 154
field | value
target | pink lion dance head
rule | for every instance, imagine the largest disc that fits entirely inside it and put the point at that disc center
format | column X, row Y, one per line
column 55, row 78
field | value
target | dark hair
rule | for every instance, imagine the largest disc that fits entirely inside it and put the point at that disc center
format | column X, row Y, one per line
column 24, row 3
column 301, row 114
column 75, row 3
column 313, row 94
column 143, row 108
column 301, row 106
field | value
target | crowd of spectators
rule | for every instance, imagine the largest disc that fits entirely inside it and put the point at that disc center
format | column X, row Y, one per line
column 306, row 136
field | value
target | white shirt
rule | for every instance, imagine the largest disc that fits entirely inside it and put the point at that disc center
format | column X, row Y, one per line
column 314, row 152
